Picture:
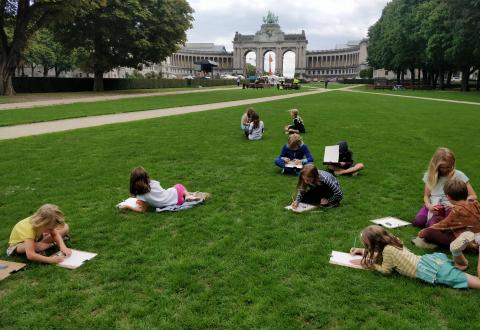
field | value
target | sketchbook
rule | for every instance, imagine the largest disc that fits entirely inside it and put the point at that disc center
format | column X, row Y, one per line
column 8, row 267
column 331, row 155
column 293, row 165
column 302, row 207
column 132, row 202
column 391, row 222
column 344, row 259
column 77, row 259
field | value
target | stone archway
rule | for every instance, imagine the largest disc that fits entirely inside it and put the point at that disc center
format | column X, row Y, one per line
column 270, row 38
column 289, row 63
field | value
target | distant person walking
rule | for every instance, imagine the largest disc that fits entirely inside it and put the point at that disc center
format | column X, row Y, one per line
column 326, row 83
column 238, row 81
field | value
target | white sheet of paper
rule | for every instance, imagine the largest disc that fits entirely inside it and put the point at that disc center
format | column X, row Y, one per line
column 344, row 259
column 132, row 202
column 391, row 222
column 76, row 259
column 331, row 154
column 302, row 207
column 292, row 165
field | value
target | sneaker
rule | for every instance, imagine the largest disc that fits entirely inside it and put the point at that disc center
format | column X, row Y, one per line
column 421, row 243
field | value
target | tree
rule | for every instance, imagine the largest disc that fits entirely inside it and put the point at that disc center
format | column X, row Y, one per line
column 18, row 22
column 128, row 33
column 464, row 50
column 250, row 70
column 366, row 73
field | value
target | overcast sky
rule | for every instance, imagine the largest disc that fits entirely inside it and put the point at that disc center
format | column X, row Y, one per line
column 327, row 23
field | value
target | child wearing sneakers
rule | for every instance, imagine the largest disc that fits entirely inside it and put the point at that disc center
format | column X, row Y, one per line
column 464, row 216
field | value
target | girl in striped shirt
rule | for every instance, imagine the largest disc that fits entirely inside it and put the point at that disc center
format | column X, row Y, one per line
column 384, row 252
column 317, row 187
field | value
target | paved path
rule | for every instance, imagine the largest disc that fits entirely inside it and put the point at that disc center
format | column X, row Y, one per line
column 349, row 89
column 12, row 132
column 81, row 99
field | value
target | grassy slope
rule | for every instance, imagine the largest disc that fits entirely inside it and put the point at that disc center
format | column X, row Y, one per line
column 472, row 96
column 39, row 114
column 241, row 260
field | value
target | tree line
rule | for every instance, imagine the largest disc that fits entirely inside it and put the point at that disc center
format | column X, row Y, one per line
column 93, row 35
column 434, row 38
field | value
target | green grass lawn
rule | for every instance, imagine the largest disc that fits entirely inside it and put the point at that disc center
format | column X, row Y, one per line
column 472, row 96
column 28, row 97
column 240, row 260
column 39, row 114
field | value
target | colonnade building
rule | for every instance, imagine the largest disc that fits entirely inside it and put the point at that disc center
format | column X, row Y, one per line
column 343, row 62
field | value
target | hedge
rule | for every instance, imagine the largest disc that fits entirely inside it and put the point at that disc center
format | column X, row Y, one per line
column 52, row 84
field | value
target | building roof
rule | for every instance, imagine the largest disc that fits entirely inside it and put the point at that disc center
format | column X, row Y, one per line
column 206, row 47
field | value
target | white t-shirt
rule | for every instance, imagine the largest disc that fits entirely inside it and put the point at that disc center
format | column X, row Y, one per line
column 437, row 195
column 159, row 197
column 255, row 133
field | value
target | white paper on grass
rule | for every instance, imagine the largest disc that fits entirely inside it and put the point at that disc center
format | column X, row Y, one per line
column 76, row 259
column 302, row 207
column 344, row 259
column 391, row 222
column 331, row 154
column 132, row 202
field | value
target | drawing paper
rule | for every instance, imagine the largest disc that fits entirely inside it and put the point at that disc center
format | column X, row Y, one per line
column 344, row 259
column 391, row 222
column 331, row 154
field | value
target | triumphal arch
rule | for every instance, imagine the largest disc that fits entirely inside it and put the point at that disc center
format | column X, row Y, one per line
column 270, row 38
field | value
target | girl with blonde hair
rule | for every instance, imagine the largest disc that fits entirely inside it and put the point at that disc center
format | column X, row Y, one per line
column 39, row 232
column 440, row 170
column 297, row 126
column 385, row 253
column 293, row 152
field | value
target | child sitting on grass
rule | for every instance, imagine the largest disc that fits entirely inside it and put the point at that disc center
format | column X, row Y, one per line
column 298, row 126
column 345, row 165
column 317, row 188
column 463, row 216
column 295, row 152
column 440, row 170
column 255, row 128
column 385, row 253
column 246, row 119
column 39, row 232
column 150, row 193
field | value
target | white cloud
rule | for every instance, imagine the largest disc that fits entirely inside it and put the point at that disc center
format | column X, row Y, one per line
column 326, row 22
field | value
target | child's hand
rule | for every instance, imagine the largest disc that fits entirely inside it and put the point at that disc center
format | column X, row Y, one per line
column 66, row 251
column 324, row 201
column 421, row 233
column 294, row 205
column 297, row 161
column 56, row 259
column 356, row 251
column 357, row 262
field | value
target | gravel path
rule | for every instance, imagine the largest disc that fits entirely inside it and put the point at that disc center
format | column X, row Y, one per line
column 17, row 131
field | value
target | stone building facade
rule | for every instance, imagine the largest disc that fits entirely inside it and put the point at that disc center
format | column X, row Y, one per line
column 343, row 62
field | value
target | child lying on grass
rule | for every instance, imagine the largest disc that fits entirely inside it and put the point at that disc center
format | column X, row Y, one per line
column 150, row 193
column 384, row 252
